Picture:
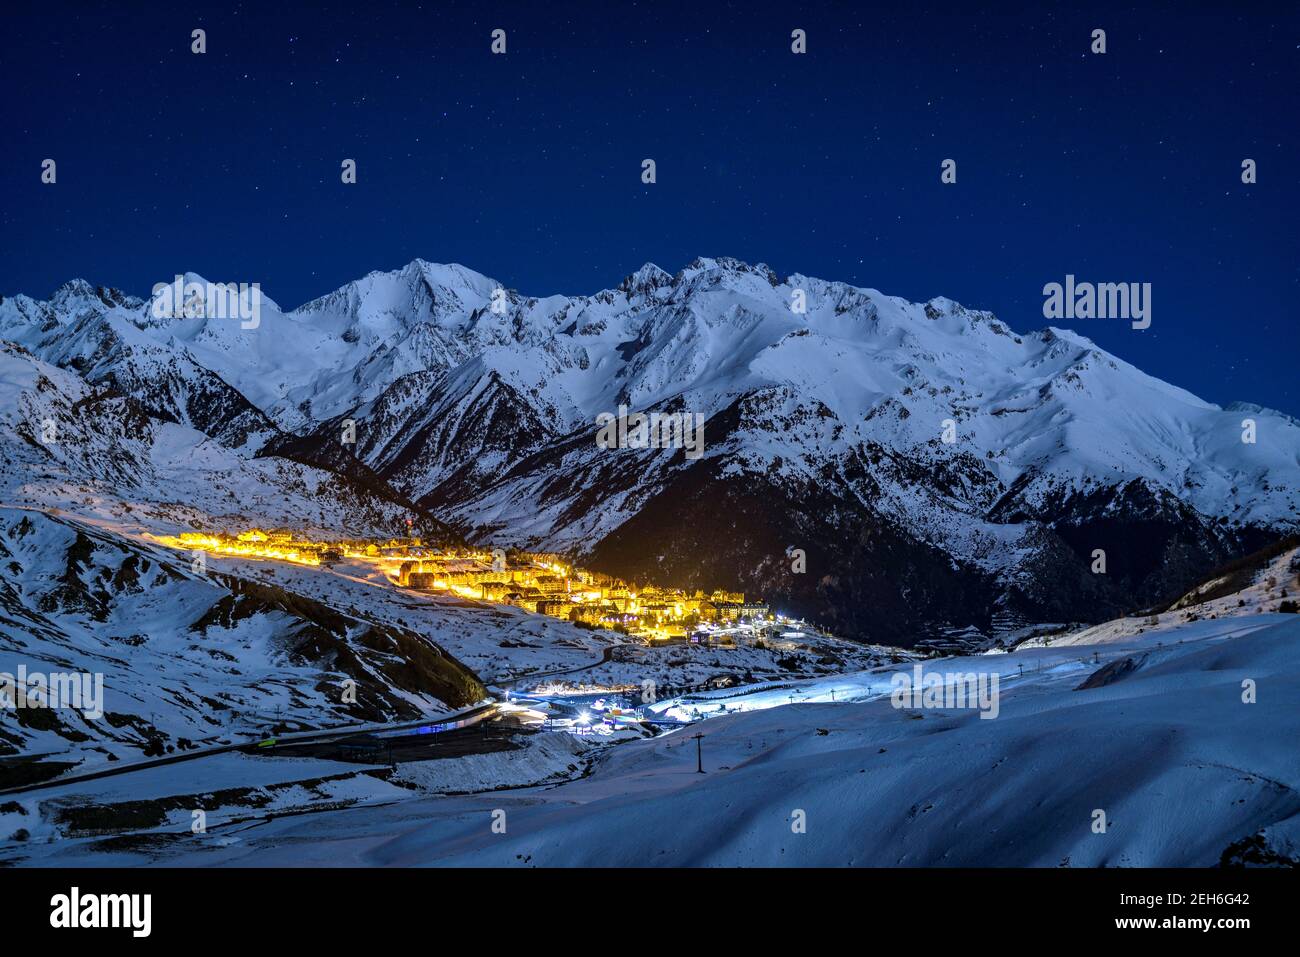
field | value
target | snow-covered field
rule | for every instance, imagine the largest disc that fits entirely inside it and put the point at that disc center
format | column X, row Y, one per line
column 1185, row 770
column 158, row 807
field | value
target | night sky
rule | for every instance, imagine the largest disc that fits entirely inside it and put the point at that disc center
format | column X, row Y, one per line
column 1122, row 167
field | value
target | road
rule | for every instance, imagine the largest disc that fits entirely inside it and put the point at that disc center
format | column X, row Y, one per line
column 502, row 681
column 477, row 713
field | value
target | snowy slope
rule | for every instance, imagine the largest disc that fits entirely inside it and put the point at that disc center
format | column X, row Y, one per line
column 1264, row 584
column 66, row 444
column 188, row 659
column 1186, row 773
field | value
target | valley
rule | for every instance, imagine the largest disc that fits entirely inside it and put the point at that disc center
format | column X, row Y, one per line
column 360, row 568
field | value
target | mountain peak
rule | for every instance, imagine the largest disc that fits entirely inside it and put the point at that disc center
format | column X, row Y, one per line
column 76, row 292
column 726, row 266
column 74, row 287
column 649, row 277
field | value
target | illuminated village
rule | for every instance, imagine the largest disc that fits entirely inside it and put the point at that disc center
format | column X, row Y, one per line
column 538, row 582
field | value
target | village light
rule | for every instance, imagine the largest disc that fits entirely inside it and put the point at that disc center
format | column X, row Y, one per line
column 535, row 582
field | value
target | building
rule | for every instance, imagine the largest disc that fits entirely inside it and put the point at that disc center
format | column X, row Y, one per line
column 555, row 608
column 425, row 581
column 551, row 584
column 527, row 599
column 589, row 614
column 496, row 590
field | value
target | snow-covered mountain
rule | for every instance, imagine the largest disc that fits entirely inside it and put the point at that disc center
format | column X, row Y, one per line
column 825, row 431
column 68, row 445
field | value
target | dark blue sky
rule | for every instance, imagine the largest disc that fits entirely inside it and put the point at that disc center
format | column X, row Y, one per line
column 1119, row 167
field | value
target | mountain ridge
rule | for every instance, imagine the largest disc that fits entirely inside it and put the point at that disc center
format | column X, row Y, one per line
column 934, row 426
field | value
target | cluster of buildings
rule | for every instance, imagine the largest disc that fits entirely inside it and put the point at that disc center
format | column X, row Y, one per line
column 545, row 584
column 538, row 582
column 279, row 545
column 288, row 546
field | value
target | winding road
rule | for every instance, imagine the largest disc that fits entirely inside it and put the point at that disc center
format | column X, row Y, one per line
column 474, row 715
